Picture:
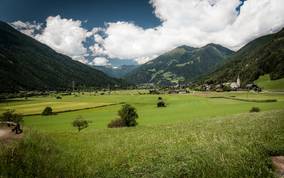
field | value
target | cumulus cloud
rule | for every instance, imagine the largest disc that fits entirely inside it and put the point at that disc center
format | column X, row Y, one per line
column 183, row 22
column 65, row 36
column 194, row 23
column 28, row 28
column 100, row 61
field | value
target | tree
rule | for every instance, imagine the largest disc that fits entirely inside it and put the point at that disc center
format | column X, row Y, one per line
column 80, row 123
column 12, row 118
column 127, row 117
column 47, row 111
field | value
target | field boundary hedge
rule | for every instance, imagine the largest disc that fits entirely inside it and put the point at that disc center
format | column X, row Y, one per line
column 247, row 100
column 72, row 110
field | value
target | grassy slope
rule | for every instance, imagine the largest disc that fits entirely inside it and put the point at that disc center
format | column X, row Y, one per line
column 272, row 85
column 232, row 146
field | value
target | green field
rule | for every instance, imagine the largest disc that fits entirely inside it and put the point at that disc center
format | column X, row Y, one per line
column 180, row 108
column 199, row 134
column 272, row 85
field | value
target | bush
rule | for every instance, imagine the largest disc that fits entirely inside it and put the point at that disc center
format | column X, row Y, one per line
column 254, row 109
column 12, row 119
column 160, row 102
column 116, row 123
column 58, row 97
column 7, row 116
column 47, row 111
column 80, row 123
column 128, row 116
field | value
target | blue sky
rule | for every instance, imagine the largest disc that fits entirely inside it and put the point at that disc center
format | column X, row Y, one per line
column 116, row 32
column 96, row 12
column 93, row 13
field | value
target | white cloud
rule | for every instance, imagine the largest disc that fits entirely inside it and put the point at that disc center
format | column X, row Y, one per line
column 183, row 22
column 27, row 27
column 194, row 23
column 100, row 61
column 65, row 36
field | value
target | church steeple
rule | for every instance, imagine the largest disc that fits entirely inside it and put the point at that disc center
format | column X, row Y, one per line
column 238, row 81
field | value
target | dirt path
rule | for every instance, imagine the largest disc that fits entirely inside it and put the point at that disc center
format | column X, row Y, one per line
column 2, row 133
column 278, row 162
column 7, row 135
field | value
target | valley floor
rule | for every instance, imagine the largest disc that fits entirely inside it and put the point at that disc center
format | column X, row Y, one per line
column 196, row 135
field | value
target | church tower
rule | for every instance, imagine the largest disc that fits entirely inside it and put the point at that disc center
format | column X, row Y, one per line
column 238, row 81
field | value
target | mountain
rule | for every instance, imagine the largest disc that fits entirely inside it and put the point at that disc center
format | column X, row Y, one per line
column 116, row 72
column 182, row 64
column 26, row 64
column 264, row 55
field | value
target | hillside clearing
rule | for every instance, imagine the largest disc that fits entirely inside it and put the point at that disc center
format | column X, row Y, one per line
column 271, row 85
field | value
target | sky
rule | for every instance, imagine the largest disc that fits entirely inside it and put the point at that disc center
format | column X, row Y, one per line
column 117, row 32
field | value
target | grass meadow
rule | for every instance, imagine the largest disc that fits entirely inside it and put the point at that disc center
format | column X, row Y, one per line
column 271, row 85
column 201, row 134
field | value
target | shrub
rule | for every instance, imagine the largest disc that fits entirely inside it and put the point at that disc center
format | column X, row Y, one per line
column 80, row 123
column 116, row 123
column 254, row 109
column 160, row 102
column 8, row 116
column 58, row 97
column 47, row 111
column 128, row 116
column 13, row 119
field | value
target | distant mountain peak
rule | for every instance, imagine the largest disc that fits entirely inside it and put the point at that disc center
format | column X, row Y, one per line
column 182, row 64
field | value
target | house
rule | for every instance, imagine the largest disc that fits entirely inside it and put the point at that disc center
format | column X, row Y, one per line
column 173, row 92
column 254, row 87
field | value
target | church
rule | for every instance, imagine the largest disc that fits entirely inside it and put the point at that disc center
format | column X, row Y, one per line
column 236, row 85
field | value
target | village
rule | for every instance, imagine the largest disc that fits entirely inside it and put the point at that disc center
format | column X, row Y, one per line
column 184, row 88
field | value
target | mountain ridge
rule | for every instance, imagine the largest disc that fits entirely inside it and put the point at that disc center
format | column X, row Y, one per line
column 182, row 64
column 264, row 55
column 27, row 64
column 116, row 72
